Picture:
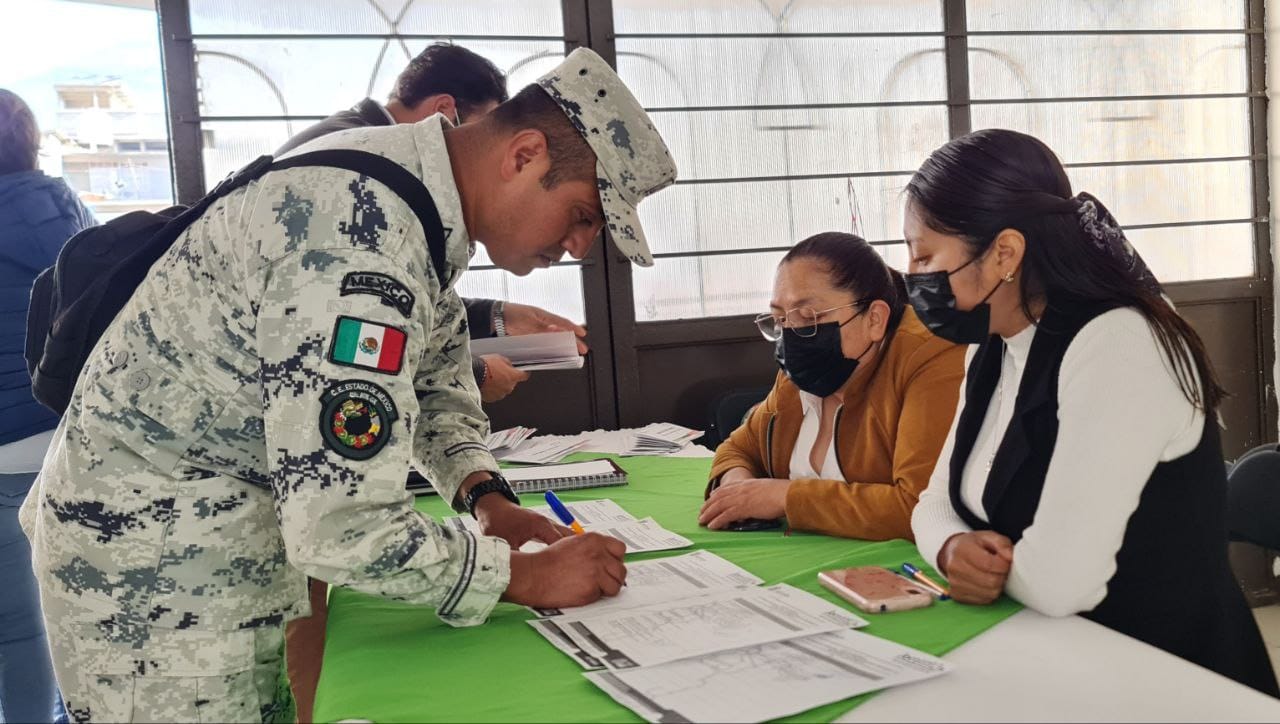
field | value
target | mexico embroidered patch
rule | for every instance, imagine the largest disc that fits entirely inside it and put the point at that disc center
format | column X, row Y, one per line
column 356, row 418
column 387, row 288
column 367, row 345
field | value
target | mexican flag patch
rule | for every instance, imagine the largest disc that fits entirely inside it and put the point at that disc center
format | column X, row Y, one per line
column 367, row 345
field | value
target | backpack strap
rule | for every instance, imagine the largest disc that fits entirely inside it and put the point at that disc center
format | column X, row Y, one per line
column 396, row 177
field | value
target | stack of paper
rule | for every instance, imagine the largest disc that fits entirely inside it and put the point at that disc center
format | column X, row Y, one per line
column 507, row 440
column 768, row 681
column 661, row 438
column 540, row 450
column 600, row 516
column 671, row 630
column 692, row 639
column 546, row 351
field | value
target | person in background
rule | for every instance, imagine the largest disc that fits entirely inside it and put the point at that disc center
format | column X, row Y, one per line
column 846, row 439
column 37, row 216
column 1083, row 473
column 463, row 86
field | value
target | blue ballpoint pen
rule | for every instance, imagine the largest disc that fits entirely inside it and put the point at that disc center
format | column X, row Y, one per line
column 563, row 513
column 919, row 575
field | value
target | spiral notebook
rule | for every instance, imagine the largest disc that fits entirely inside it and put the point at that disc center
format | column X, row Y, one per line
column 599, row 473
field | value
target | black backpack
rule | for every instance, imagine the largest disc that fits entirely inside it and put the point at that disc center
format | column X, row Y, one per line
column 97, row 271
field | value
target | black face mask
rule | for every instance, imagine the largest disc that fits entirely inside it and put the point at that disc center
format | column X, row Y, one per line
column 816, row 364
column 935, row 305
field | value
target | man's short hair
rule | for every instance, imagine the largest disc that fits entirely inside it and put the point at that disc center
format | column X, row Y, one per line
column 446, row 68
column 19, row 135
column 571, row 156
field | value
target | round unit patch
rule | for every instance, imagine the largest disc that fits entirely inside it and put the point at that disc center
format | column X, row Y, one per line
column 356, row 417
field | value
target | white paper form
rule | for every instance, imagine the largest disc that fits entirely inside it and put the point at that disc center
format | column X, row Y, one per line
column 544, row 351
column 599, row 516
column 765, row 682
column 666, row 579
column 592, row 514
column 687, row 627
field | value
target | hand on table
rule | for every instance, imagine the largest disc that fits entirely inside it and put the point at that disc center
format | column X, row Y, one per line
column 500, row 379
column 501, row 518
column 740, row 498
column 976, row 565
column 526, row 319
column 574, row 571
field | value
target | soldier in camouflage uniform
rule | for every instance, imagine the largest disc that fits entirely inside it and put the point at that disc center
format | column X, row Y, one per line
column 248, row 418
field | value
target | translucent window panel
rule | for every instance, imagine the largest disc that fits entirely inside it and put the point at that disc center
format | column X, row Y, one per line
column 463, row 17
column 320, row 77
column 557, row 290
column 1188, row 253
column 1105, row 14
column 715, row 286
column 763, row 214
column 1128, row 130
column 783, row 71
column 1170, row 193
column 1106, row 65
column 775, row 16
column 228, row 145
column 736, row 144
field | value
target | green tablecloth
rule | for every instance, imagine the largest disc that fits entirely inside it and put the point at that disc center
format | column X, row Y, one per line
column 390, row 662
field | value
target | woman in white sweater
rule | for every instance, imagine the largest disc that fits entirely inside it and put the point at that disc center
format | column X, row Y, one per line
column 1083, row 472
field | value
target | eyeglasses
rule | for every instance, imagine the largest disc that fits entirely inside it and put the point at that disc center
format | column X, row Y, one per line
column 801, row 320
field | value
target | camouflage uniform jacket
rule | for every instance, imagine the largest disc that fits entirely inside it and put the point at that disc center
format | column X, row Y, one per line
column 250, row 415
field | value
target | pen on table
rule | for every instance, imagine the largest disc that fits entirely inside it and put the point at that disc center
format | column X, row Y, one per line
column 928, row 590
column 919, row 575
column 563, row 513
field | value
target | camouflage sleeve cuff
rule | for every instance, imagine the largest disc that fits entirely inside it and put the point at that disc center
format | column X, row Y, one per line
column 486, row 572
column 457, row 463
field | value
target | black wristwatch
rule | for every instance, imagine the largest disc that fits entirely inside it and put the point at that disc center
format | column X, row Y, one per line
column 495, row 484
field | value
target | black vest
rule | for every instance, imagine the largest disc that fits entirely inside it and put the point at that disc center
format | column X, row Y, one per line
column 1173, row 587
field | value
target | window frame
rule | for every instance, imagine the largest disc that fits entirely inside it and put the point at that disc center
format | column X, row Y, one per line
column 619, row 341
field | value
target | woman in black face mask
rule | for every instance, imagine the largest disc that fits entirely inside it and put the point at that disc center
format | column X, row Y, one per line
column 1083, row 473
column 847, row 438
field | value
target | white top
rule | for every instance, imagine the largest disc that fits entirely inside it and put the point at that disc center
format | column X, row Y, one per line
column 801, row 467
column 1120, row 413
column 1031, row 668
column 25, row 455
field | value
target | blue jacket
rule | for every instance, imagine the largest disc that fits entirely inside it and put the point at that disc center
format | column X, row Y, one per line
column 37, row 216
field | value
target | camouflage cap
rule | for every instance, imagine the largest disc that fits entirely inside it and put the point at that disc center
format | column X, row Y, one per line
column 632, row 160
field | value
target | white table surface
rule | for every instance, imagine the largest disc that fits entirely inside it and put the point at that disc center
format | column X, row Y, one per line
column 1035, row 668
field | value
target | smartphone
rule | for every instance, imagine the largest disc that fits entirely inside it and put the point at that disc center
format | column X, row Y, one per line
column 751, row 524
column 875, row 590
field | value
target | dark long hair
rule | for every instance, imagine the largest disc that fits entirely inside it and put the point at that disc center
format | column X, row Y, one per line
column 985, row 182
column 855, row 267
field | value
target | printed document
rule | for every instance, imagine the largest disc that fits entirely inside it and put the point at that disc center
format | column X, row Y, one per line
column 768, row 681
column 663, row 632
column 599, row 516
column 666, row 579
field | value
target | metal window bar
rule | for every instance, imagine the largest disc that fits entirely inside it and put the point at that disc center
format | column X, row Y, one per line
column 1259, row 221
column 370, row 36
column 939, row 33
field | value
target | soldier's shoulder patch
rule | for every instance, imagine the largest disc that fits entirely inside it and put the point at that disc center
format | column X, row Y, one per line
column 367, row 345
column 385, row 287
column 356, row 418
